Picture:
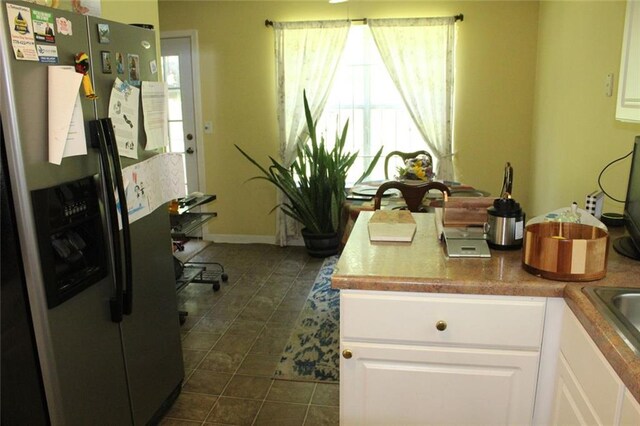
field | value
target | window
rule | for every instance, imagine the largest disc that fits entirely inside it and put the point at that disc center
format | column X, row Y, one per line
column 171, row 71
column 364, row 93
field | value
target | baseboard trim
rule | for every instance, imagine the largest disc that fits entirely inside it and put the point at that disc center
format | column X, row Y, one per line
column 240, row 239
column 247, row 239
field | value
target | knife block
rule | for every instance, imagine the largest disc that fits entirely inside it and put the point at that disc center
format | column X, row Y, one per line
column 466, row 211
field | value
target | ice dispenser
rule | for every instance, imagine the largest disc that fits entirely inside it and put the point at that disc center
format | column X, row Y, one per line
column 70, row 238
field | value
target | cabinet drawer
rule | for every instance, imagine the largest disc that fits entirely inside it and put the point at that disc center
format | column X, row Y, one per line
column 495, row 321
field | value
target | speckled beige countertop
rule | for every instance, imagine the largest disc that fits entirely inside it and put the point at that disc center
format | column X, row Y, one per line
column 422, row 266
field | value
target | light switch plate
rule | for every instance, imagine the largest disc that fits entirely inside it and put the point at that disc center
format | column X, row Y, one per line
column 208, row 127
column 608, row 85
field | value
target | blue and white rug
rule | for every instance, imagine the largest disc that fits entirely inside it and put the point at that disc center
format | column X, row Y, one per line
column 312, row 352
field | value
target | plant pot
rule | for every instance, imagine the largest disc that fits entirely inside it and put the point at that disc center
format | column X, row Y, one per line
column 321, row 245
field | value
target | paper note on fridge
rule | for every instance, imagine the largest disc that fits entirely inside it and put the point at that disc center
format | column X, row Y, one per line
column 123, row 111
column 155, row 113
column 152, row 182
column 66, row 124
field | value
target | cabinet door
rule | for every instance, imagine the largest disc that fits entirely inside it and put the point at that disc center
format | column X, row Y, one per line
column 630, row 413
column 593, row 377
column 402, row 384
column 571, row 406
column 628, row 106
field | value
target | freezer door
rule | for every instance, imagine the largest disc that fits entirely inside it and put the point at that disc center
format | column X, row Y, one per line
column 22, row 394
column 28, row 103
column 88, row 355
column 80, row 348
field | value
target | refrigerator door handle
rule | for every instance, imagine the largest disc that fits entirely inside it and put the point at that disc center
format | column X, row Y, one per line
column 112, row 145
column 98, row 140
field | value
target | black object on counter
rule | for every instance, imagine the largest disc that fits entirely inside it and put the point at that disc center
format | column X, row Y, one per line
column 505, row 225
column 612, row 219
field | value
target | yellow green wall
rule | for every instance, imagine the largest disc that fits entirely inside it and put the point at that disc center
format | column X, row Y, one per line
column 496, row 62
column 575, row 133
column 133, row 12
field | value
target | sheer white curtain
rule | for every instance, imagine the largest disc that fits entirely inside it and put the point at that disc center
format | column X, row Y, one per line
column 307, row 55
column 418, row 54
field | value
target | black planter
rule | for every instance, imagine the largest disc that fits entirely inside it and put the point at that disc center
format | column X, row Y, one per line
column 321, row 245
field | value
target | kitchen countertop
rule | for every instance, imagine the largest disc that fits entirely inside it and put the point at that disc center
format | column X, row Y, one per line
column 422, row 266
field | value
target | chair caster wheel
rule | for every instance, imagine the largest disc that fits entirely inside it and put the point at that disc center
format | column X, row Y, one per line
column 224, row 277
column 216, row 286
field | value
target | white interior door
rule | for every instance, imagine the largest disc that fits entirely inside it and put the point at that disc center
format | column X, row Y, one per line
column 178, row 72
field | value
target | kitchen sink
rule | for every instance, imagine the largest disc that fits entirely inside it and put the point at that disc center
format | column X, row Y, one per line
column 621, row 307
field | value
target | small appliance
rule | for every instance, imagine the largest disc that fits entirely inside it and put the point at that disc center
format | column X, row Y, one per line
column 505, row 224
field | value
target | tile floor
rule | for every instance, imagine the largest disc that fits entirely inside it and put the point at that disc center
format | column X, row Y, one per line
column 232, row 340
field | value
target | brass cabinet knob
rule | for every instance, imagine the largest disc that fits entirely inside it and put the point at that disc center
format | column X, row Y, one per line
column 441, row 325
column 347, row 354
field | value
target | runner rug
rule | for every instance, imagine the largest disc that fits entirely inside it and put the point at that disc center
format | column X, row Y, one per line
column 312, row 352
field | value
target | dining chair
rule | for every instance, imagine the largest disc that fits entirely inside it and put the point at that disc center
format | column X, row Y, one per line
column 412, row 194
column 405, row 156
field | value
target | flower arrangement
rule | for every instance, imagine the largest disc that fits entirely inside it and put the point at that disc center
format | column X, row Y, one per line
column 419, row 168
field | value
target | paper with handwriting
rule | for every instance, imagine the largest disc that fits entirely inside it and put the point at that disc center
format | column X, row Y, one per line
column 123, row 111
column 155, row 107
column 151, row 183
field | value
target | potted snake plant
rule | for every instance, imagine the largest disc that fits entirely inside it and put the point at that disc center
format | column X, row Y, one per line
column 314, row 185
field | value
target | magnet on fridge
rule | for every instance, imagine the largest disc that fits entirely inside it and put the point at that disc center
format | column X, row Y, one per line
column 82, row 67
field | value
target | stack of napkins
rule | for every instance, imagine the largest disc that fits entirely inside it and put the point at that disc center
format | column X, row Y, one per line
column 392, row 225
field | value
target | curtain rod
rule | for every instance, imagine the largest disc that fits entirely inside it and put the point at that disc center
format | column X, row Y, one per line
column 458, row 17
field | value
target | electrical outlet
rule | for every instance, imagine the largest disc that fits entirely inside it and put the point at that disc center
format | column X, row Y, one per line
column 594, row 202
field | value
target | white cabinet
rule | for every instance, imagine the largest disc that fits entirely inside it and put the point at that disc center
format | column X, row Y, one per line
column 406, row 384
column 630, row 413
column 571, row 405
column 588, row 390
column 417, row 358
column 628, row 105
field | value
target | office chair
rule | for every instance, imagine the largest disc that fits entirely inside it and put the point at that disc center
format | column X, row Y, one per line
column 412, row 194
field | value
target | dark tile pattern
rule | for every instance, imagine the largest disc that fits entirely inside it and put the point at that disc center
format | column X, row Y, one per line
column 233, row 338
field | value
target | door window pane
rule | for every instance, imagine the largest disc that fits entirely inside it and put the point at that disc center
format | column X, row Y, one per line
column 175, row 105
column 176, row 138
column 171, row 72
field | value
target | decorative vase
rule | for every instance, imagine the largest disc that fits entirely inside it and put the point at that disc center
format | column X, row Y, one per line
column 321, row 245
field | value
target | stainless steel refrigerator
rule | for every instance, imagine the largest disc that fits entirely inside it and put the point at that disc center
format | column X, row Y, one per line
column 104, row 348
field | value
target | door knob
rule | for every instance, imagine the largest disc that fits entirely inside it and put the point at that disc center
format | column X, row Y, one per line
column 189, row 150
column 347, row 354
column 441, row 325
column 189, row 137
